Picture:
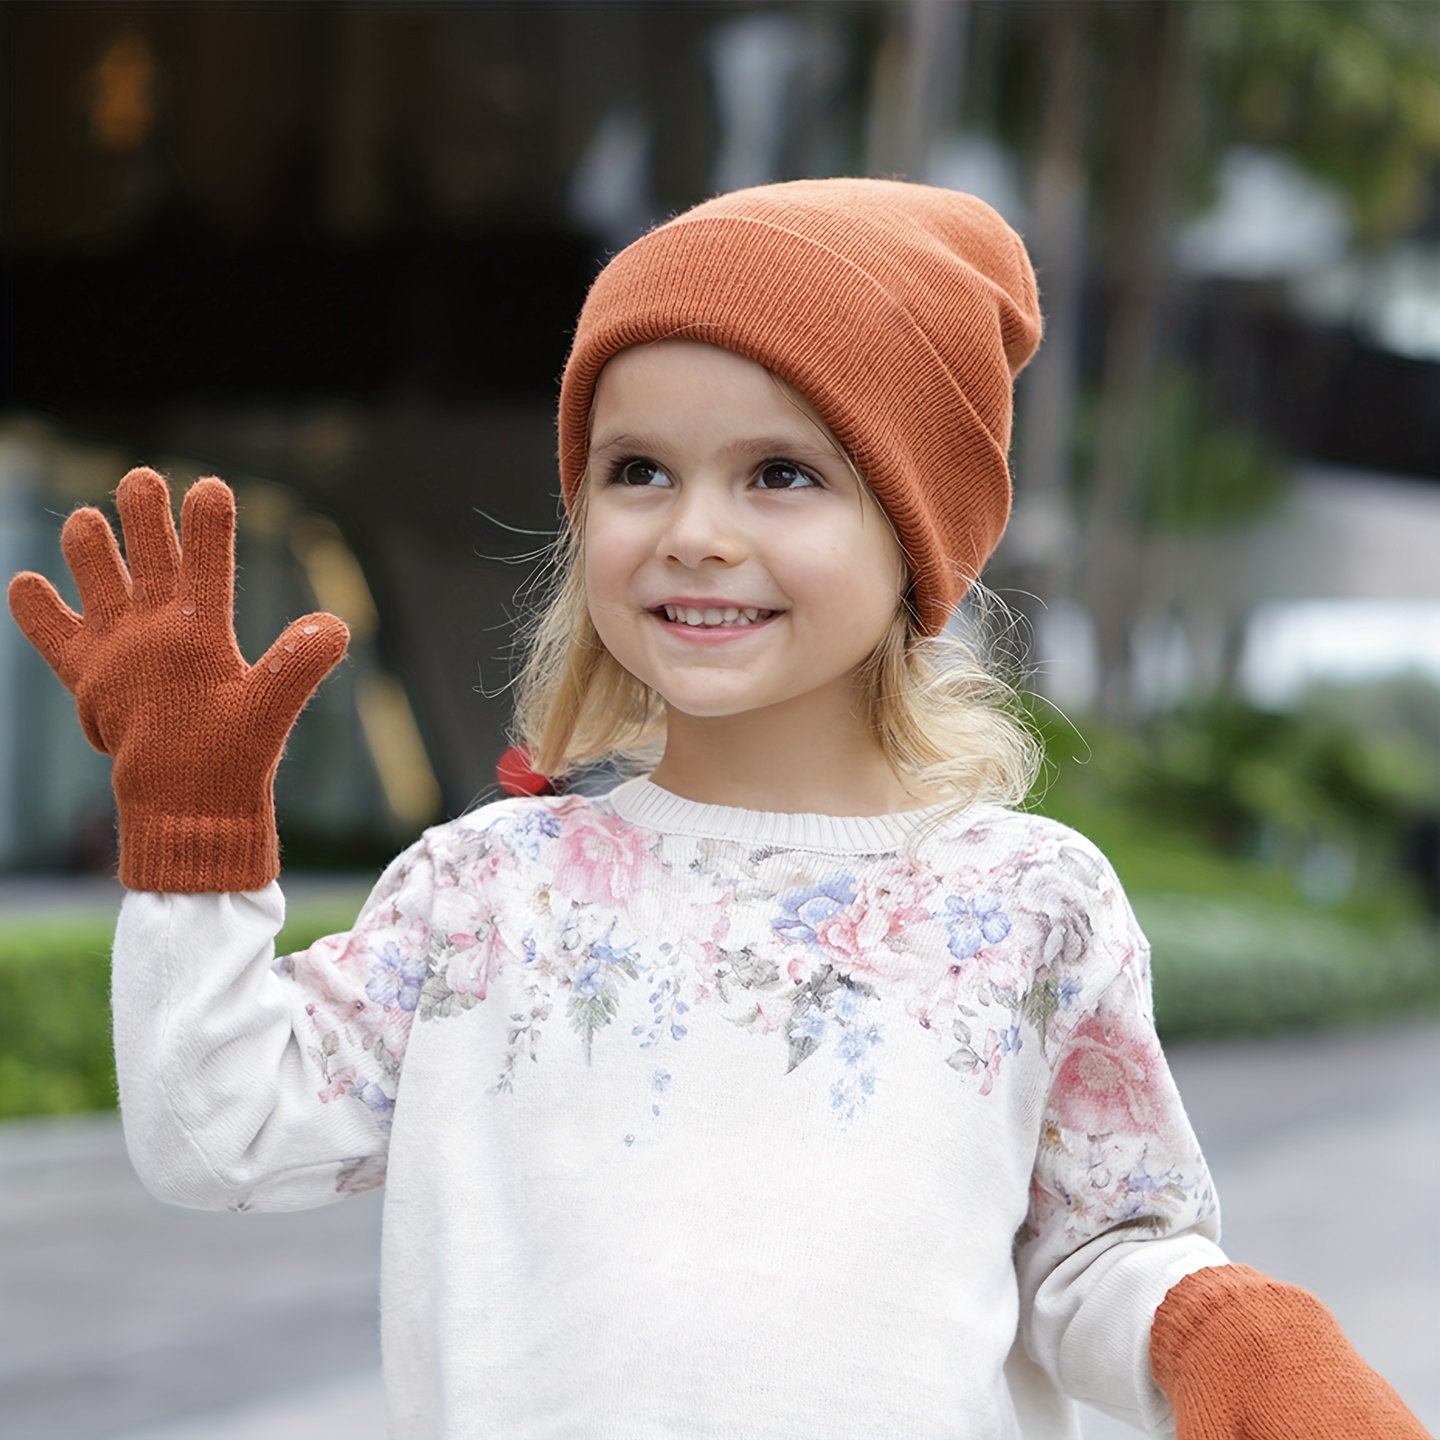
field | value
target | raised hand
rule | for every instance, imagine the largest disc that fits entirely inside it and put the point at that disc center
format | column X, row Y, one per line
column 1244, row 1357
column 161, row 686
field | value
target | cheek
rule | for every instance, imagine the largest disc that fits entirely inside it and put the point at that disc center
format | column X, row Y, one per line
column 606, row 568
column 609, row 571
column 867, row 573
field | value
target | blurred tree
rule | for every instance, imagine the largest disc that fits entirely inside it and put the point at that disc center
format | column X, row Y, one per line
column 1148, row 102
column 1042, row 530
column 1350, row 87
column 1133, row 108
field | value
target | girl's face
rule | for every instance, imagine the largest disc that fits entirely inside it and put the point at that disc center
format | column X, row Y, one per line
column 733, row 561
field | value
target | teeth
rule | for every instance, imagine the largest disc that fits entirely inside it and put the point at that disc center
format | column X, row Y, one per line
column 735, row 615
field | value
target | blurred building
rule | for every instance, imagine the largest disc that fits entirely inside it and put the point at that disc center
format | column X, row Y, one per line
column 333, row 253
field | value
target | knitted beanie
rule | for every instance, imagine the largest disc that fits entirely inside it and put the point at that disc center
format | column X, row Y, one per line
column 901, row 312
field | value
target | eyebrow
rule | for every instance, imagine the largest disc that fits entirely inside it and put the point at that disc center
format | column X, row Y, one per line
column 788, row 446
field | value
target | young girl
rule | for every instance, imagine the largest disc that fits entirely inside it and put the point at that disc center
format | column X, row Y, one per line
column 796, row 1088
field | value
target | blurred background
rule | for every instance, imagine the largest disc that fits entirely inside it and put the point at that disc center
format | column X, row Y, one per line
column 333, row 252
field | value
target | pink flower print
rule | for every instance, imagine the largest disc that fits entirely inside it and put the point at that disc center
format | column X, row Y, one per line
column 1108, row 1081
column 864, row 936
column 603, row 860
column 864, row 929
column 476, row 959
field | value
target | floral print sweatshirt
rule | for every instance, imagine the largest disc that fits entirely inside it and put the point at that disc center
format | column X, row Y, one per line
column 701, row 1122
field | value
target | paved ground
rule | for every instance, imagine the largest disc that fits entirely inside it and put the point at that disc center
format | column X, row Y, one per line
column 121, row 1319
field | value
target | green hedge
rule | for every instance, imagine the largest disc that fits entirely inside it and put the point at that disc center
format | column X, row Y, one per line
column 55, row 1019
column 1238, row 965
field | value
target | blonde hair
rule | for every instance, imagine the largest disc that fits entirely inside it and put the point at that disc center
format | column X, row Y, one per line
column 947, row 724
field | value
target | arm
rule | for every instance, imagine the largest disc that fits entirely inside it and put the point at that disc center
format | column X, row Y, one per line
column 196, row 736
column 1122, row 1207
column 1129, row 1303
column 247, row 1082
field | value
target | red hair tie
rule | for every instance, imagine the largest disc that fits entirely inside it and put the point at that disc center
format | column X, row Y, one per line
column 516, row 776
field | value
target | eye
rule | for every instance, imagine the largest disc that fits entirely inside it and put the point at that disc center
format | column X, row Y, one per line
column 638, row 472
column 784, row 475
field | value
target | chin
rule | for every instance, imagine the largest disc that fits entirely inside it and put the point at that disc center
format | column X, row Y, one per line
column 710, row 707
column 706, row 709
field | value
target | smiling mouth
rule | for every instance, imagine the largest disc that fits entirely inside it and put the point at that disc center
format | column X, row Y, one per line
column 733, row 616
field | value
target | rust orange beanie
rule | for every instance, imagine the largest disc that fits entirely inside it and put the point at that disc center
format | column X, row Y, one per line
column 901, row 312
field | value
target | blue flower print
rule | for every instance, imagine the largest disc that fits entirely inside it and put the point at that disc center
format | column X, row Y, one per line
column 1140, row 1182
column 1067, row 992
column 812, row 1024
column 605, row 950
column 531, row 829
column 589, row 975
column 848, row 1095
column 374, row 1099
column 1010, row 1041
column 973, row 924
column 804, row 910
column 856, row 1042
column 395, row 978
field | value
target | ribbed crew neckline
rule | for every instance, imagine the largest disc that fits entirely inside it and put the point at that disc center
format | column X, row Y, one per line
column 644, row 803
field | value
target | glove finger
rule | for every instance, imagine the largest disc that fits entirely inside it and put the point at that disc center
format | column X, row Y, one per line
column 285, row 676
column 45, row 620
column 207, row 560
column 88, row 544
column 151, row 545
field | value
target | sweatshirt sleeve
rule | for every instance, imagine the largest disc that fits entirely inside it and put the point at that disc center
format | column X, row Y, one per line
column 1122, row 1206
column 250, row 1082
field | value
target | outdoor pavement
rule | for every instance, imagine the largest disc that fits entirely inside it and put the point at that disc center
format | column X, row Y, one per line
column 123, row 1319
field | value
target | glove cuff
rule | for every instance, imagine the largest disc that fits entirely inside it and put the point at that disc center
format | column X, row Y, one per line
column 1239, row 1353
column 1220, row 1306
column 199, row 854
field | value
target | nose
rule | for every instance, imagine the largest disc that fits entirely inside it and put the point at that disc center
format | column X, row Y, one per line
column 703, row 527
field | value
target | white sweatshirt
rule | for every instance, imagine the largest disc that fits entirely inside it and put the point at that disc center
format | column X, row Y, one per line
column 700, row 1122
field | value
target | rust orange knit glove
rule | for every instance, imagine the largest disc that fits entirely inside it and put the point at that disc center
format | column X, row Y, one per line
column 1243, row 1357
column 195, row 733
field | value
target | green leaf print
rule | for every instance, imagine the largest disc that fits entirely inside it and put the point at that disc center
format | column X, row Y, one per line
column 1041, row 1003
column 965, row 1057
column 589, row 1013
column 438, row 1001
